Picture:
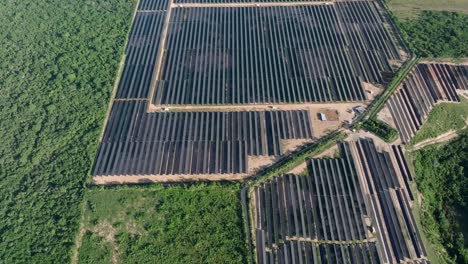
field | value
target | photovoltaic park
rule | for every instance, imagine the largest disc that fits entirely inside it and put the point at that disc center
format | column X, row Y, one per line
column 426, row 86
column 352, row 209
column 218, row 90
column 274, row 94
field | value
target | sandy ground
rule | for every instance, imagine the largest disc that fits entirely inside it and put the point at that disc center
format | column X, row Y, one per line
column 133, row 179
column 372, row 91
column 462, row 61
column 385, row 116
column 289, row 145
column 251, row 107
column 257, row 163
column 299, row 169
column 379, row 143
column 250, row 4
column 344, row 113
column 330, row 153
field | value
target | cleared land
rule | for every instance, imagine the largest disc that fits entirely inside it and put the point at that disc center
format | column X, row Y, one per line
column 178, row 224
column 443, row 118
column 407, row 9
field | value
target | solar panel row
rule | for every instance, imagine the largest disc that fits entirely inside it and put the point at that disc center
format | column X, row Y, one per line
column 355, row 199
column 136, row 137
column 153, row 5
column 397, row 151
column 140, row 55
column 326, row 205
column 314, row 253
column 171, row 158
column 427, row 85
column 392, row 211
column 246, row 1
column 273, row 54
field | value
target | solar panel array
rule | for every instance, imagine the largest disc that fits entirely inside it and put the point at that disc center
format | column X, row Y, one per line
column 325, row 209
column 294, row 251
column 427, row 85
column 397, row 151
column 246, row 1
column 140, row 55
column 153, row 5
column 392, row 210
column 136, row 142
column 273, row 54
column 352, row 201
column 234, row 55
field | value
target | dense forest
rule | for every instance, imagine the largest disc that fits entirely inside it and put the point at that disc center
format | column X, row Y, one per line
column 380, row 129
column 59, row 61
column 442, row 179
column 198, row 223
column 437, row 34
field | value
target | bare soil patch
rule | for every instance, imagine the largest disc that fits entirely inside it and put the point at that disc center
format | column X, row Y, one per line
column 257, row 163
column 385, row 116
column 440, row 139
column 337, row 115
column 371, row 90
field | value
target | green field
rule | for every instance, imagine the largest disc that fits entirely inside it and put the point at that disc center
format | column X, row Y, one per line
column 179, row 224
column 443, row 118
column 59, row 61
column 95, row 249
column 405, row 9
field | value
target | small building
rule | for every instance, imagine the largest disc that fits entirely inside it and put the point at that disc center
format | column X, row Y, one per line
column 322, row 117
column 359, row 109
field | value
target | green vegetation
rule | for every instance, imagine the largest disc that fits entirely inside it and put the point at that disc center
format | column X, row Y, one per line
column 377, row 105
column 443, row 118
column 95, row 249
column 380, row 129
column 199, row 223
column 437, row 34
column 407, row 9
column 294, row 160
column 442, row 179
column 59, row 61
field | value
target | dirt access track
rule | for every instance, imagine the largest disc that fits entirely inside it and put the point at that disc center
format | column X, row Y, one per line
column 251, row 4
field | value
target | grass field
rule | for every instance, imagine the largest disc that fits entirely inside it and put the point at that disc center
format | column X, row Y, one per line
column 443, row 118
column 405, row 9
column 95, row 249
column 155, row 224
